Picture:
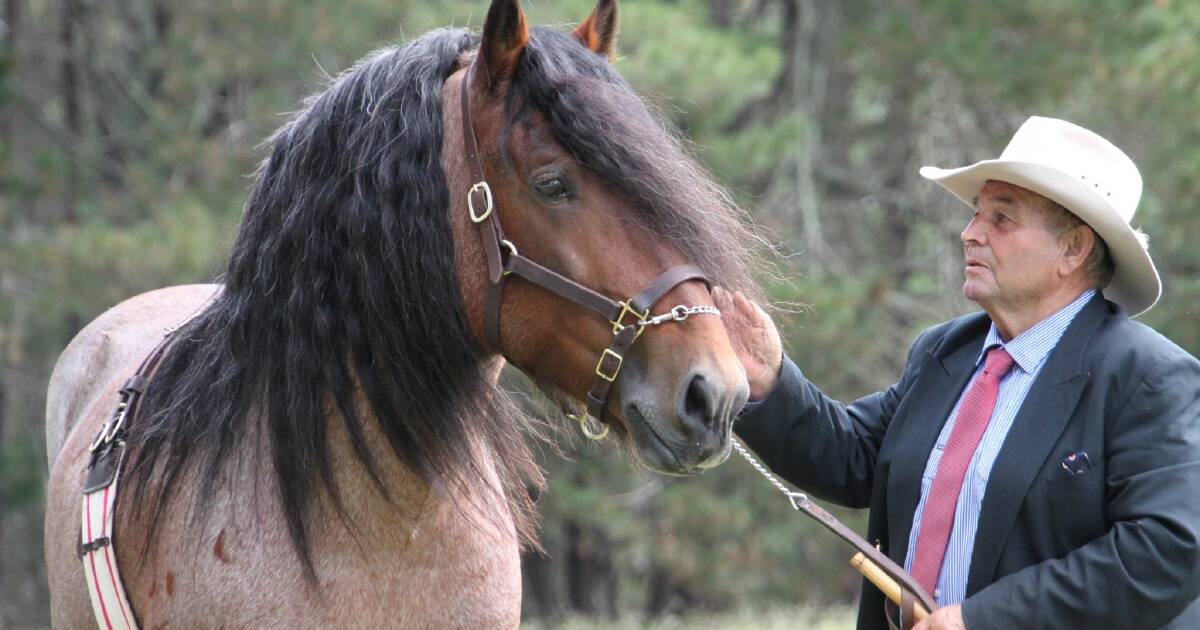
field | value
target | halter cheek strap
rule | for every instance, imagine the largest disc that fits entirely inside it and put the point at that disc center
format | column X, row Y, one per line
column 628, row 318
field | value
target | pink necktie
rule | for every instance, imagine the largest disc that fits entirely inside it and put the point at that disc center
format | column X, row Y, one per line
column 938, row 517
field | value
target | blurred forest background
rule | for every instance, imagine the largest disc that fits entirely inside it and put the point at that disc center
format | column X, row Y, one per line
column 128, row 130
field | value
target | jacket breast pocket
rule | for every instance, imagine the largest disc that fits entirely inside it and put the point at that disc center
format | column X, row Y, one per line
column 1077, row 505
column 1065, row 484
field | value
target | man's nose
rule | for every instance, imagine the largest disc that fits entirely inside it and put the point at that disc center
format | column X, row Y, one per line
column 972, row 233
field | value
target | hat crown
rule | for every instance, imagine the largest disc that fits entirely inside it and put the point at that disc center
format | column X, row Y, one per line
column 1080, row 153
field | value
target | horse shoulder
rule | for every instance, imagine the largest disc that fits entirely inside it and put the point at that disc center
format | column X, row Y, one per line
column 109, row 347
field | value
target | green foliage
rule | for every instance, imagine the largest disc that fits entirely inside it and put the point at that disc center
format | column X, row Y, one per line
column 20, row 482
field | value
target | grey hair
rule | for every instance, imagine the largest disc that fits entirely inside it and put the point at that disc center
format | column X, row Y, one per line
column 1099, row 265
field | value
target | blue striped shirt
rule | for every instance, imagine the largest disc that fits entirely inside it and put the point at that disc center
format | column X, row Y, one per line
column 1029, row 351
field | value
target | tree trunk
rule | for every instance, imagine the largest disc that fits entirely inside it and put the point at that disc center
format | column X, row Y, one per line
column 71, row 13
column 783, row 86
column 591, row 576
column 541, row 597
column 8, row 73
column 898, row 158
column 721, row 12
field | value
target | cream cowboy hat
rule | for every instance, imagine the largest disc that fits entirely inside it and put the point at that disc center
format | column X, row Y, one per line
column 1085, row 174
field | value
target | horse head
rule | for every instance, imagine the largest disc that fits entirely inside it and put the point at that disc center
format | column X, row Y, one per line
column 585, row 184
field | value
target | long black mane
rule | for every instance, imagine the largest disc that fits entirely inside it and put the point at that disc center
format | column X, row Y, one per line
column 341, row 286
column 608, row 128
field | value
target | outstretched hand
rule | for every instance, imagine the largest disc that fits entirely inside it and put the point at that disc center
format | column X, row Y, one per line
column 755, row 340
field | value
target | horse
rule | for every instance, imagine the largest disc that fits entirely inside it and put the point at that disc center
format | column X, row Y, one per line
column 324, row 441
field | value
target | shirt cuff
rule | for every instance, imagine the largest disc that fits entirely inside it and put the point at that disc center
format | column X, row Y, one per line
column 750, row 405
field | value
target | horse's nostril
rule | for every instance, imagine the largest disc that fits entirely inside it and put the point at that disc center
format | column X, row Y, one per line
column 699, row 402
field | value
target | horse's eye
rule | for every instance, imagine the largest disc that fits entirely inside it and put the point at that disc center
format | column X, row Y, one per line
column 553, row 187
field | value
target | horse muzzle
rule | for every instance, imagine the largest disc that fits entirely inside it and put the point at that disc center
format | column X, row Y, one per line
column 685, row 431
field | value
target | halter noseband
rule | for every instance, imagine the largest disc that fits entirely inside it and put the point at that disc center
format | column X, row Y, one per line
column 628, row 318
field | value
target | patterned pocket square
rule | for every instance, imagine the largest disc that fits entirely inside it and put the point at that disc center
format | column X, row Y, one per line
column 1077, row 463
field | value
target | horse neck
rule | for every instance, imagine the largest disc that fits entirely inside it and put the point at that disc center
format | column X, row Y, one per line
column 406, row 493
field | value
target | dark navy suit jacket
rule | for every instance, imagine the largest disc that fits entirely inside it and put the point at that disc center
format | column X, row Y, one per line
column 1116, row 546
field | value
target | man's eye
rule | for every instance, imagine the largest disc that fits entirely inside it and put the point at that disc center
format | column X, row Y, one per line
column 553, row 187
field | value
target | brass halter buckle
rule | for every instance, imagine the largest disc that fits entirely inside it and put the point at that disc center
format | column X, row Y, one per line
column 626, row 309
column 612, row 375
column 487, row 196
column 588, row 425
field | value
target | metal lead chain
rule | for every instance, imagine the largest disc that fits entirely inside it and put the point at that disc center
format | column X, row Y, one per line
column 680, row 313
column 795, row 498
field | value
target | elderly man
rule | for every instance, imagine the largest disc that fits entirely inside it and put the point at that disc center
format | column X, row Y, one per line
column 1037, row 464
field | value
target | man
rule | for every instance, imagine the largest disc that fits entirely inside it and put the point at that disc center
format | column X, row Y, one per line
column 1038, row 464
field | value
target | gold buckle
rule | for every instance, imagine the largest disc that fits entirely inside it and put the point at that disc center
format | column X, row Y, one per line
column 587, row 424
column 599, row 363
column 626, row 309
column 487, row 195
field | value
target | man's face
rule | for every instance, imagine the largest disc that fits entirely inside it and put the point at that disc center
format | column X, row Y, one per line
column 1011, row 256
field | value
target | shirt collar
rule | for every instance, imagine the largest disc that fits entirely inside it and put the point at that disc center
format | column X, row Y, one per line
column 1030, row 348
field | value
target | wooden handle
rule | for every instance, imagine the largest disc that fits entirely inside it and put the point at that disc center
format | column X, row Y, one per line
column 885, row 583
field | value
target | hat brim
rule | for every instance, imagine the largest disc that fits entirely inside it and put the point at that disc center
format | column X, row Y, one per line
column 1135, row 284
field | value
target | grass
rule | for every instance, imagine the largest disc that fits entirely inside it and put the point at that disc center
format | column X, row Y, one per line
column 774, row 619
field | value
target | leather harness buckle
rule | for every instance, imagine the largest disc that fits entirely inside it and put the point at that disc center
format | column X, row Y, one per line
column 626, row 309
column 487, row 197
column 512, row 249
column 612, row 376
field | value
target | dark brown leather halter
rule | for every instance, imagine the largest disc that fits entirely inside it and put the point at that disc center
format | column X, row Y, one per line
column 628, row 318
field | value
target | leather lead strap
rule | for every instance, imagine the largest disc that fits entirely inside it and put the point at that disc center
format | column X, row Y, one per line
column 907, row 605
column 906, row 581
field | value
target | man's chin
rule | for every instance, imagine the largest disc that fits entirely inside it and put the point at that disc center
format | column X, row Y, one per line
column 977, row 294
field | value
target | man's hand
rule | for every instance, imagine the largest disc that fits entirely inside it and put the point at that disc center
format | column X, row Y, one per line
column 755, row 340
column 948, row 618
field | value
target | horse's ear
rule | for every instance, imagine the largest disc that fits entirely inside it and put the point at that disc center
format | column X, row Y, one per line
column 504, row 36
column 599, row 31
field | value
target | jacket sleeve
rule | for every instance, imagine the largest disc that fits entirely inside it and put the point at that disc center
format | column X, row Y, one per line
column 1146, row 569
column 817, row 443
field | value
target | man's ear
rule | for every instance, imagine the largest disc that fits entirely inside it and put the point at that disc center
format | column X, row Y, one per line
column 504, row 37
column 1077, row 244
column 599, row 31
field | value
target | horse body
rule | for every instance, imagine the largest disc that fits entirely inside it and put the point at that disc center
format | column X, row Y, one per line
column 323, row 443
column 440, row 560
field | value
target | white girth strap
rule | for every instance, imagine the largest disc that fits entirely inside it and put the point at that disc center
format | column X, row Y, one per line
column 109, row 602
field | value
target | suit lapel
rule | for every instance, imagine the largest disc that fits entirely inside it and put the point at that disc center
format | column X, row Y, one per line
column 944, row 373
column 1039, row 422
